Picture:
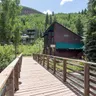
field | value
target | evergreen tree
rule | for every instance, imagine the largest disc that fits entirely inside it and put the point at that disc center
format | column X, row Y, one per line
column 79, row 27
column 46, row 21
column 90, row 42
column 55, row 19
column 79, row 12
column 50, row 19
column 85, row 11
column 82, row 12
column 69, row 16
column 52, row 13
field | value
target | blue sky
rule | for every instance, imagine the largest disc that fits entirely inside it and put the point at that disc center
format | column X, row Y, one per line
column 58, row 6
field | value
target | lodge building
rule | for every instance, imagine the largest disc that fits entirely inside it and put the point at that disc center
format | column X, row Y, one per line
column 60, row 41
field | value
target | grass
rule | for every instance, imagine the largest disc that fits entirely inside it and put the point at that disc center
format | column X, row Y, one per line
column 6, row 55
column 28, row 50
column 7, row 52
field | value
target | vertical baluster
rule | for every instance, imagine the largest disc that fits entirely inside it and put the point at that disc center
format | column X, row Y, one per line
column 16, row 77
column 10, row 85
column 48, row 62
column 38, row 58
column 64, row 70
column 86, row 80
column 43, row 60
column 54, row 66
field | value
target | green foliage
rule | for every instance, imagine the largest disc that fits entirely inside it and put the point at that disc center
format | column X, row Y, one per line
column 28, row 50
column 6, row 56
column 9, row 17
column 50, row 20
column 46, row 21
column 33, row 21
column 37, row 21
column 90, row 42
column 7, row 52
column 55, row 19
column 69, row 20
column 79, row 27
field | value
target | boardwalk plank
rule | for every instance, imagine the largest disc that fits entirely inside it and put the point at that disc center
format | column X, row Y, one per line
column 37, row 81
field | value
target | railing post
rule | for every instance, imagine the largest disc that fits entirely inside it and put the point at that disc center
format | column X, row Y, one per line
column 43, row 60
column 33, row 56
column 47, row 62
column 86, row 79
column 64, row 70
column 54, row 67
column 38, row 58
column 19, row 65
column 16, row 77
column 10, row 85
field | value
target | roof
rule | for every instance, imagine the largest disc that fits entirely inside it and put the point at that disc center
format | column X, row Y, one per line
column 62, row 45
column 52, row 25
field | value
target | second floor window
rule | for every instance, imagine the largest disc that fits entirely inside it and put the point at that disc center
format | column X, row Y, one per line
column 66, row 35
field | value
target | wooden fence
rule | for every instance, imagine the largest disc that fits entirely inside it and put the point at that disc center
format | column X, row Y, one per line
column 9, row 78
column 78, row 74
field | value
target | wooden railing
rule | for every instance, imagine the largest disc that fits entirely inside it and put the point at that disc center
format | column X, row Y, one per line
column 9, row 78
column 78, row 74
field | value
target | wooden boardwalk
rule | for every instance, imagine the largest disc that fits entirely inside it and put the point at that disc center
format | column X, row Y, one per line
column 37, row 81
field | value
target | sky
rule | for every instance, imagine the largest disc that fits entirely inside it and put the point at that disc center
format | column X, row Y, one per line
column 58, row 6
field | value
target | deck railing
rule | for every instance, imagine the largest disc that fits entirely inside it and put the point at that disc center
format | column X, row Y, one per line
column 9, row 78
column 78, row 74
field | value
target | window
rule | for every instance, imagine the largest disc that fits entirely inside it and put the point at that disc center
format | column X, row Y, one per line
column 76, row 38
column 52, row 40
column 66, row 35
column 52, row 33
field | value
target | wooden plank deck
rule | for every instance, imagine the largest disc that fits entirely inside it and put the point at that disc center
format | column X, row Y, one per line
column 37, row 81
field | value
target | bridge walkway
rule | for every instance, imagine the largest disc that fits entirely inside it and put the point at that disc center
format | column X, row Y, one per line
column 37, row 81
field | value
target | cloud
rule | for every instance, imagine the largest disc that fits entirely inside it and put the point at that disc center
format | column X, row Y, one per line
column 64, row 1
column 48, row 11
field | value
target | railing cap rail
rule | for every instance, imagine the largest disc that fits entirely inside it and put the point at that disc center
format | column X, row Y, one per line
column 76, row 60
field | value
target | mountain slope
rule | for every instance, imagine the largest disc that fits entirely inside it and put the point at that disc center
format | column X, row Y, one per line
column 27, row 10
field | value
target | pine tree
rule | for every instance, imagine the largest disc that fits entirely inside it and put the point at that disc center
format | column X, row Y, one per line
column 85, row 11
column 82, row 12
column 90, row 42
column 50, row 19
column 53, row 13
column 46, row 21
column 79, row 27
column 69, row 16
column 55, row 19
